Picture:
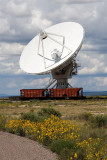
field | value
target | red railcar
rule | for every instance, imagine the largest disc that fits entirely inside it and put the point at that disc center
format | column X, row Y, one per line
column 66, row 93
column 32, row 93
column 51, row 93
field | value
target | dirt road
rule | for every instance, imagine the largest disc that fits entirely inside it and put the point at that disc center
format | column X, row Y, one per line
column 13, row 147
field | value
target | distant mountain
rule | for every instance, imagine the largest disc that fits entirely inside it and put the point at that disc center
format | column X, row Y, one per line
column 95, row 93
column 4, row 95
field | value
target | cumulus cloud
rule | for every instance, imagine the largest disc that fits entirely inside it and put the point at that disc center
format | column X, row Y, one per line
column 102, row 81
column 10, row 48
column 7, row 64
column 78, row 1
column 9, row 58
column 17, row 9
column 89, row 83
column 93, row 64
column 38, row 21
column 21, row 20
column 4, row 25
column 38, row 83
column 11, row 85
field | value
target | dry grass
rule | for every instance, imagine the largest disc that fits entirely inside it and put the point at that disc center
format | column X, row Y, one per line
column 68, row 108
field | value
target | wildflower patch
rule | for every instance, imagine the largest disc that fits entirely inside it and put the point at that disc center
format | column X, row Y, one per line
column 53, row 131
column 52, row 128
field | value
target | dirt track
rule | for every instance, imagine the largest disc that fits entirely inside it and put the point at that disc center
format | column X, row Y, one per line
column 14, row 147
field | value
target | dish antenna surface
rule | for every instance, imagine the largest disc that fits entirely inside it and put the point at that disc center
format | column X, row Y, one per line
column 54, row 51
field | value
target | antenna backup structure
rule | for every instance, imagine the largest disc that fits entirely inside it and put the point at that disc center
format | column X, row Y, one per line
column 54, row 51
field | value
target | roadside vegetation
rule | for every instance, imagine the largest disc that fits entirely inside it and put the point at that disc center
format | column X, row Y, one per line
column 81, row 136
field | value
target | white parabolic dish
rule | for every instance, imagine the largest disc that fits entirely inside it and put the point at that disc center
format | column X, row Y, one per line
column 65, row 37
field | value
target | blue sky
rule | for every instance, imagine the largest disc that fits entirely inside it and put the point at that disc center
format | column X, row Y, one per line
column 21, row 20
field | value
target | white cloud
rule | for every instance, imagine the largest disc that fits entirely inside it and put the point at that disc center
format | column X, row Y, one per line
column 7, row 64
column 88, row 46
column 38, row 21
column 18, row 71
column 102, row 81
column 9, row 58
column 90, row 83
column 6, row 67
column 37, row 82
column 92, row 64
column 11, row 85
column 105, row 81
column 10, row 48
column 78, row 1
column 2, row 58
column 17, row 9
column 4, row 25
column 21, row 20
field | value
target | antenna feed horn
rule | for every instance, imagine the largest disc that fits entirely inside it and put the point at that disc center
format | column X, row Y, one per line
column 43, row 34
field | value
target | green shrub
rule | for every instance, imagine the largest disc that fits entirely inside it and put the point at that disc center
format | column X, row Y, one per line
column 87, row 131
column 31, row 116
column 20, row 131
column 40, row 116
column 49, row 112
column 86, row 116
column 65, row 154
column 99, row 121
column 66, row 149
column 2, row 122
column 47, row 141
column 58, row 145
column 99, row 133
column 94, row 121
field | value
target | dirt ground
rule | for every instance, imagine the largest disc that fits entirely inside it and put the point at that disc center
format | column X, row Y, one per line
column 13, row 147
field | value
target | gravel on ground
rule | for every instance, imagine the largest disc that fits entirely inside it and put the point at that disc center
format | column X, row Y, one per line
column 13, row 147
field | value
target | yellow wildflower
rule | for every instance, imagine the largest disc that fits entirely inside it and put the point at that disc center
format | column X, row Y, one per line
column 75, row 155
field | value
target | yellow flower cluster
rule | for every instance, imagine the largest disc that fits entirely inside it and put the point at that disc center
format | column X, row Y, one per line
column 93, row 149
column 52, row 128
column 75, row 157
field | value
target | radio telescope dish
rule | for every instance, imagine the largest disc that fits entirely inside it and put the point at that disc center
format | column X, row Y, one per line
column 54, row 50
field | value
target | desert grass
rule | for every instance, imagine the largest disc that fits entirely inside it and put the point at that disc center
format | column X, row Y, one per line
column 67, row 108
column 90, row 115
column 63, row 137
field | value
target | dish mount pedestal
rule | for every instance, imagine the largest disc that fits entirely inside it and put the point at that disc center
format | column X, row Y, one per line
column 62, row 75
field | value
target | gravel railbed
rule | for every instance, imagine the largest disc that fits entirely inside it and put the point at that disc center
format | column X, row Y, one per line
column 13, row 147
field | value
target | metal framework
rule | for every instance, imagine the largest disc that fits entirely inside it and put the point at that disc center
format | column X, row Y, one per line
column 43, row 35
column 67, row 71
